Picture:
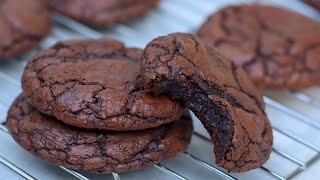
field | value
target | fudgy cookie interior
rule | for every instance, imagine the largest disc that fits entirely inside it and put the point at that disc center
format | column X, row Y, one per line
column 218, row 92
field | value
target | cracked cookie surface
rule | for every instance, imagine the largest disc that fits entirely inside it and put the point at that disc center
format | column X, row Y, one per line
column 218, row 92
column 103, row 12
column 92, row 150
column 279, row 49
column 22, row 25
column 95, row 84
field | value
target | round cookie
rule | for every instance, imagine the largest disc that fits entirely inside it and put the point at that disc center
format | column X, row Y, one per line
column 103, row 12
column 95, row 151
column 217, row 91
column 22, row 25
column 95, row 84
column 279, row 49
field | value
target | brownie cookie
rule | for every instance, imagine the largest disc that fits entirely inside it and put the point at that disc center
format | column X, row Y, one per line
column 279, row 49
column 22, row 25
column 314, row 3
column 91, row 150
column 103, row 12
column 95, row 84
column 218, row 92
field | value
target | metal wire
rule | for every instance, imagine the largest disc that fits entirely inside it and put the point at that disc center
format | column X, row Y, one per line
column 291, row 112
column 293, row 173
column 306, row 98
column 74, row 173
column 16, row 169
column 169, row 171
column 302, row 97
column 3, row 128
column 9, row 79
column 296, row 138
column 287, row 156
column 76, row 26
column 116, row 176
column 276, row 175
column 208, row 166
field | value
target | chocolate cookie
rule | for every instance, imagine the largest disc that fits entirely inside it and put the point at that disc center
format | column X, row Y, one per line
column 103, row 12
column 95, row 84
column 314, row 3
column 22, row 25
column 91, row 150
column 280, row 49
column 218, row 92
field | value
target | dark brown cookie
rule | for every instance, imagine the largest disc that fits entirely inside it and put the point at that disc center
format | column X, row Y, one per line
column 95, row 84
column 217, row 91
column 22, row 25
column 103, row 12
column 314, row 3
column 92, row 150
column 280, row 49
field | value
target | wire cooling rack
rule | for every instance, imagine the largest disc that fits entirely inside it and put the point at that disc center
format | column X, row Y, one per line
column 295, row 116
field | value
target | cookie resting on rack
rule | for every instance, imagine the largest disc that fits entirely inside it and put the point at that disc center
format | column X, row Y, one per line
column 279, row 48
column 103, row 12
column 217, row 91
column 22, row 25
column 95, row 84
column 95, row 151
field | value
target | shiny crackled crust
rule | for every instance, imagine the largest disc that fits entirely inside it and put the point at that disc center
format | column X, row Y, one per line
column 218, row 92
column 103, row 12
column 92, row 150
column 95, row 84
column 23, row 24
column 279, row 49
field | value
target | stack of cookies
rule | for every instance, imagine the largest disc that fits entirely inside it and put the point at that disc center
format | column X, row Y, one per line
column 98, row 106
column 84, row 108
